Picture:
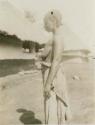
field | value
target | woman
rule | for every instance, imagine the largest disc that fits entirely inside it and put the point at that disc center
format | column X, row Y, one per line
column 56, row 104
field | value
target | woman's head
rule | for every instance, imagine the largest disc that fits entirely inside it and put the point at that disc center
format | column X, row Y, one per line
column 52, row 20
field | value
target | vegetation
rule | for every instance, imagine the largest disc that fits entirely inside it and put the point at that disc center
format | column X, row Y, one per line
column 6, row 38
column 32, row 46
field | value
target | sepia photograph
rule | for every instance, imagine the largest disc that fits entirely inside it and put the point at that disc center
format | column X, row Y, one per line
column 47, row 62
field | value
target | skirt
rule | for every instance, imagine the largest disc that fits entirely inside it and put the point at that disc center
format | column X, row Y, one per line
column 56, row 108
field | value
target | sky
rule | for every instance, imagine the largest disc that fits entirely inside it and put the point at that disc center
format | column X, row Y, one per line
column 79, row 15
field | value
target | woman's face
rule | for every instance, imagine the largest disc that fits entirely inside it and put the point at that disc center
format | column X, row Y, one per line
column 50, row 24
column 52, row 21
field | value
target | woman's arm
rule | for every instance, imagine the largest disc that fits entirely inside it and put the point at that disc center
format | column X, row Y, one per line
column 57, row 57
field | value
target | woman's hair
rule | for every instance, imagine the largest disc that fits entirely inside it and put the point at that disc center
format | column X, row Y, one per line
column 52, row 20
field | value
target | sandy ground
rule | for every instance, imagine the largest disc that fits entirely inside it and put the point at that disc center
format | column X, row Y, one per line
column 21, row 94
column 23, row 91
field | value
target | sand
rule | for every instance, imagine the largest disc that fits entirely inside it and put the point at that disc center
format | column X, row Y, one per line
column 23, row 91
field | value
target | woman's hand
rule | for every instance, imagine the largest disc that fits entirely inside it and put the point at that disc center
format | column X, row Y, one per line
column 47, row 90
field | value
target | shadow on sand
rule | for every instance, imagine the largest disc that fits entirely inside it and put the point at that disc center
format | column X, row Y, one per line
column 28, row 117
